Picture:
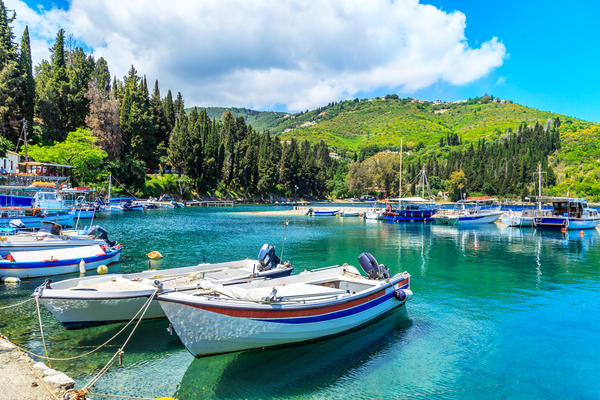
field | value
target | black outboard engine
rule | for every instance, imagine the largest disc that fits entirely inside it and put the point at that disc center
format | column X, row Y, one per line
column 50, row 227
column 98, row 232
column 372, row 268
column 267, row 257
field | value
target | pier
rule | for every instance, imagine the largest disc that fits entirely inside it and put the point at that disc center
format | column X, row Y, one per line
column 210, row 203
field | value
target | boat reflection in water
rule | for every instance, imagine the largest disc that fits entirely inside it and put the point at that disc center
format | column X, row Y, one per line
column 300, row 369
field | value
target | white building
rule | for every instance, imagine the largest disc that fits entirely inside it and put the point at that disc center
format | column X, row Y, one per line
column 9, row 162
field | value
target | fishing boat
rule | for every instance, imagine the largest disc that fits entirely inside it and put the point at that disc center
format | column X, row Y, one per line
column 322, row 213
column 521, row 219
column 32, row 264
column 105, row 299
column 311, row 305
column 51, row 236
column 129, row 206
column 373, row 214
column 410, row 209
column 568, row 213
column 349, row 213
column 472, row 211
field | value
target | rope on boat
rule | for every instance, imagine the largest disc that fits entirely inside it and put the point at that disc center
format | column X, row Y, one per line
column 119, row 353
column 16, row 304
column 146, row 305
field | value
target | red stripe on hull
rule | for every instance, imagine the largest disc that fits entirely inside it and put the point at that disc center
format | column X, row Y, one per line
column 309, row 312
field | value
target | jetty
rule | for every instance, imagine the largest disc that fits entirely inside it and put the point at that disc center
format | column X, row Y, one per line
column 21, row 378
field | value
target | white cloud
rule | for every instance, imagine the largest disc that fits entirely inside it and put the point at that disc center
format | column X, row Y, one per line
column 261, row 53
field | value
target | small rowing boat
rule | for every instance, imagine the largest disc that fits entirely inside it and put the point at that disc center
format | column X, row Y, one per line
column 32, row 264
column 219, row 319
column 105, row 299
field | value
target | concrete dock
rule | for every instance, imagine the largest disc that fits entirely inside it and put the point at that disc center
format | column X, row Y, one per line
column 21, row 378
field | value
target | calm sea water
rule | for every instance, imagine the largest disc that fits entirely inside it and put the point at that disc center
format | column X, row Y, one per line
column 498, row 313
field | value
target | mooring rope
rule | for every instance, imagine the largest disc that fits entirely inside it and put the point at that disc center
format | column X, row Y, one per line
column 119, row 353
column 16, row 304
column 37, row 308
column 146, row 305
column 39, row 378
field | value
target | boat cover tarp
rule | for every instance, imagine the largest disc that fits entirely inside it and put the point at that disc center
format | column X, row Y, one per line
column 57, row 254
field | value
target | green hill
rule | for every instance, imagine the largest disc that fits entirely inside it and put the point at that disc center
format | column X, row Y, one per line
column 351, row 125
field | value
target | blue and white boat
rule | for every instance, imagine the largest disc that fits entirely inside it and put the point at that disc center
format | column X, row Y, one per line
column 470, row 212
column 311, row 305
column 32, row 264
column 568, row 213
column 322, row 213
column 410, row 209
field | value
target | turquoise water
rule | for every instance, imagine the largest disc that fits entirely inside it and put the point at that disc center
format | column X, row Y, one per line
column 497, row 313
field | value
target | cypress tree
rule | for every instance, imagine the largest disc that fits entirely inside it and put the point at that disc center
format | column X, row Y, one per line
column 28, row 84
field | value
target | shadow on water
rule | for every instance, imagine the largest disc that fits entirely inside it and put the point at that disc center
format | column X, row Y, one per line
column 291, row 370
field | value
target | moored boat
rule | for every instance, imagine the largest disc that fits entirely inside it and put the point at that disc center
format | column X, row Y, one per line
column 322, row 213
column 51, row 236
column 410, row 209
column 31, row 264
column 105, row 299
column 568, row 213
column 470, row 212
column 523, row 219
column 311, row 305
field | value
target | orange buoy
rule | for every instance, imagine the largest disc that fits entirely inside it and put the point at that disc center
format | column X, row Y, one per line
column 581, row 233
column 563, row 230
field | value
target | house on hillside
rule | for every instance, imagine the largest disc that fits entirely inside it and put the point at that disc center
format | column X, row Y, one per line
column 9, row 163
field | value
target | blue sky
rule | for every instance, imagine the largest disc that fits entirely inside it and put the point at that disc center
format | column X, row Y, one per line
column 544, row 55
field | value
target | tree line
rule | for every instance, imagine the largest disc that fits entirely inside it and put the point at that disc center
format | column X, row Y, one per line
column 506, row 166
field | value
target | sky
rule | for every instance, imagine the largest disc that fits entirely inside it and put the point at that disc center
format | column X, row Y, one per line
column 295, row 55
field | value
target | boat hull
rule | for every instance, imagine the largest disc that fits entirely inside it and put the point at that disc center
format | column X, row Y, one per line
column 34, row 245
column 556, row 223
column 518, row 221
column 64, row 220
column 408, row 216
column 207, row 329
column 57, row 267
column 467, row 220
column 325, row 213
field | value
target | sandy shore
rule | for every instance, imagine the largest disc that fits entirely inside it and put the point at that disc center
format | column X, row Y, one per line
column 302, row 210
column 19, row 382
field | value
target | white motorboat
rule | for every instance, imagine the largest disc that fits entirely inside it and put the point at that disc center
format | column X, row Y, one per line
column 51, row 236
column 315, row 304
column 105, row 299
column 349, row 213
column 32, row 264
column 521, row 219
column 470, row 212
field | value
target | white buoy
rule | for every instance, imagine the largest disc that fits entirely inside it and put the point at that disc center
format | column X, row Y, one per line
column 82, row 267
column 102, row 269
column 11, row 279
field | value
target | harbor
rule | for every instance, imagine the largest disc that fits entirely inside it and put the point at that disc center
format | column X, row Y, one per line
column 468, row 325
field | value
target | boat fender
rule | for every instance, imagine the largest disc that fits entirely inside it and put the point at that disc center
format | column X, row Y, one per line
column 158, row 285
column 402, row 294
column 10, row 279
column 82, row 267
column 102, row 269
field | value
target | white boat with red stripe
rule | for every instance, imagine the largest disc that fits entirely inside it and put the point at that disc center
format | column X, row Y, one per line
column 311, row 305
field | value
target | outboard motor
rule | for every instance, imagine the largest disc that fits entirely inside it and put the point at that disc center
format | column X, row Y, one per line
column 98, row 232
column 372, row 268
column 267, row 257
column 50, row 227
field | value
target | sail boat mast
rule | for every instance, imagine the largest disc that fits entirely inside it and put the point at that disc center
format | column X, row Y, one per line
column 400, row 179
